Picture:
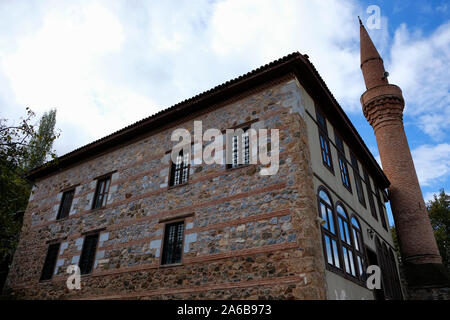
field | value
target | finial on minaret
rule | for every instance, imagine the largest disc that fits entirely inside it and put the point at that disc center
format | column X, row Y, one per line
column 371, row 61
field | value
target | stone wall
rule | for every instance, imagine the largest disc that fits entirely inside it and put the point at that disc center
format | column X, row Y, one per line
column 247, row 235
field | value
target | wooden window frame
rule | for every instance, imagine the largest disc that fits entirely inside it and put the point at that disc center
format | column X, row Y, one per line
column 84, row 272
column 47, row 262
column 345, row 239
column 246, row 149
column 343, row 167
column 357, row 278
column 325, row 150
column 104, row 194
column 397, row 290
column 173, row 170
column 358, row 180
column 373, row 210
column 326, row 232
column 359, row 247
column 387, row 272
column 62, row 206
column 390, row 279
column 179, row 221
column 383, row 219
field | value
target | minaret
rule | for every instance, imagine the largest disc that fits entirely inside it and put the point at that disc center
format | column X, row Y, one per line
column 383, row 104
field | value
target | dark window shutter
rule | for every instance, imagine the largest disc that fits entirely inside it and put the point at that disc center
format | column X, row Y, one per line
column 101, row 193
column 173, row 243
column 381, row 210
column 358, row 182
column 321, row 121
column 66, row 204
column 323, row 138
column 87, row 258
column 370, row 195
column 339, row 143
column 50, row 261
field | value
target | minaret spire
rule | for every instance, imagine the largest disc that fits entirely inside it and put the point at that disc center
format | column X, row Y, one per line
column 371, row 62
column 383, row 105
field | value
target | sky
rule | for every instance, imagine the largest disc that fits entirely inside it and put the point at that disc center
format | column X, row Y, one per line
column 106, row 64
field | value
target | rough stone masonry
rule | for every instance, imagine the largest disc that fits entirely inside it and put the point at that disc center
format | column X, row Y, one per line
column 247, row 236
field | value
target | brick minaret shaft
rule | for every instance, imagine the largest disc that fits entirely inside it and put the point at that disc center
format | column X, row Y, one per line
column 383, row 105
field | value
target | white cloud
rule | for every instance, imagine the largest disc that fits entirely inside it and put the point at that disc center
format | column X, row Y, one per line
column 419, row 65
column 105, row 64
column 432, row 163
column 57, row 66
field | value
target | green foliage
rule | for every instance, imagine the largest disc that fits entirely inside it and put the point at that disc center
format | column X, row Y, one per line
column 41, row 143
column 21, row 149
column 439, row 210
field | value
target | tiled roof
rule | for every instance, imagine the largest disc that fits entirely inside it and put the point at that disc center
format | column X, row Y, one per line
column 293, row 63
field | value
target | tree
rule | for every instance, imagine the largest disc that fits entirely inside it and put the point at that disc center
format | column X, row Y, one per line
column 439, row 210
column 41, row 143
column 21, row 149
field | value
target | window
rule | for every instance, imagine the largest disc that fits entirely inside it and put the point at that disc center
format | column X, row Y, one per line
column 381, row 209
column 359, row 248
column 66, row 203
column 342, row 240
column 87, row 258
column 387, row 270
column 240, row 142
column 50, row 262
column 101, row 193
column 179, row 173
column 390, row 279
column 370, row 195
column 346, row 241
column 328, row 230
column 324, row 143
column 358, row 183
column 381, row 261
column 343, row 163
column 397, row 291
column 173, row 243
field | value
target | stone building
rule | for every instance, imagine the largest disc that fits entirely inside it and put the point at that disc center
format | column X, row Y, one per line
column 141, row 227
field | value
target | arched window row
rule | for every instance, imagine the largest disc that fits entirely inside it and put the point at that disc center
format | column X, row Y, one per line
column 389, row 275
column 342, row 238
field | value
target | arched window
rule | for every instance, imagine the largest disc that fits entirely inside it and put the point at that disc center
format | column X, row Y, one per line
column 330, row 242
column 346, row 241
column 359, row 248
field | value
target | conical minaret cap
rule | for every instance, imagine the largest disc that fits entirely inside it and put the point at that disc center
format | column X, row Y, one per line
column 368, row 50
column 372, row 65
